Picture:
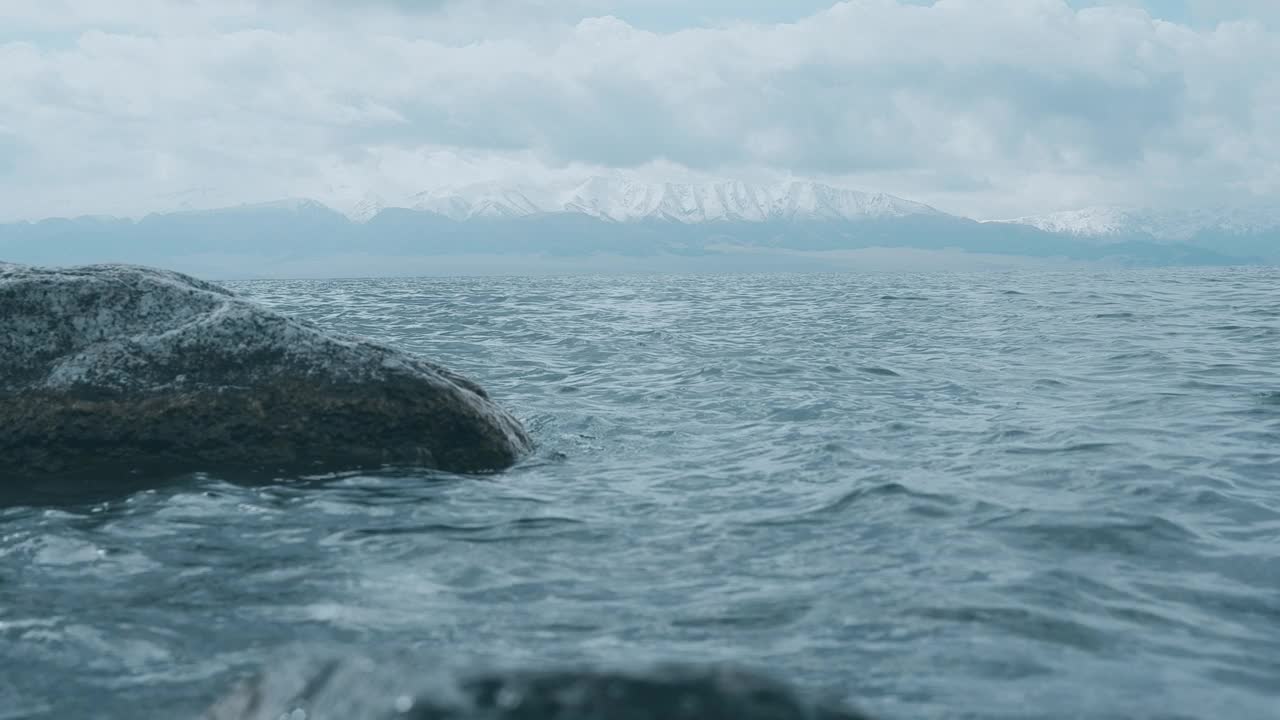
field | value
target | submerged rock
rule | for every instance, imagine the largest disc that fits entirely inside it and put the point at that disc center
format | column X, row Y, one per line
column 112, row 366
column 364, row 690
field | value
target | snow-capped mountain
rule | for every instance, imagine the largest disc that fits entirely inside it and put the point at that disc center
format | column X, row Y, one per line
column 621, row 200
column 366, row 208
column 1089, row 222
column 485, row 200
column 1167, row 225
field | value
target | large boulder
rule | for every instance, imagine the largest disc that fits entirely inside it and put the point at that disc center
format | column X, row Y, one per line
column 115, row 366
column 364, row 689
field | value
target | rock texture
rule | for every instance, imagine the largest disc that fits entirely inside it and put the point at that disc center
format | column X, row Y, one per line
column 359, row 689
column 143, row 369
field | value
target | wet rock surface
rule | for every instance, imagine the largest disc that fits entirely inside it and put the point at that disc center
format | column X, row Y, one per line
column 131, row 368
column 364, row 689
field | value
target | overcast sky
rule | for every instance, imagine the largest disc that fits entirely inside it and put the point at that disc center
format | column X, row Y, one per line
column 989, row 108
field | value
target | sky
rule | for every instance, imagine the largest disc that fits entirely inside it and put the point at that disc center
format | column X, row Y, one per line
column 984, row 108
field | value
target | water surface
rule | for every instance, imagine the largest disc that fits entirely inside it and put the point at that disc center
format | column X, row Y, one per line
column 939, row 496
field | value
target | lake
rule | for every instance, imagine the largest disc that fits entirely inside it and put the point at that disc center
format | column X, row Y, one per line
column 986, row 495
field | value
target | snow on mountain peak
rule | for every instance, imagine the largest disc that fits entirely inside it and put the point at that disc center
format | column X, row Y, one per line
column 482, row 200
column 1095, row 221
column 365, row 208
column 621, row 200
column 1170, row 225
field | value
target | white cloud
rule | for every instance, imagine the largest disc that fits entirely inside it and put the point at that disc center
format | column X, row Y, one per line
column 988, row 107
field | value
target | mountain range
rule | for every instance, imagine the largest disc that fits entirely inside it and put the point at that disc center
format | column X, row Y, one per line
column 670, row 226
column 620, row 200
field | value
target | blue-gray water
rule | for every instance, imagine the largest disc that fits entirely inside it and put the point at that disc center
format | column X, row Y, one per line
column 939, row 496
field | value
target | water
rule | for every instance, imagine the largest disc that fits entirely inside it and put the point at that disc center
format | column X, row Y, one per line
column 939, row 496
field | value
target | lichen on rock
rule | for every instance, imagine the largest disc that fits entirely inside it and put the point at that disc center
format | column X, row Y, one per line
column 140, row 368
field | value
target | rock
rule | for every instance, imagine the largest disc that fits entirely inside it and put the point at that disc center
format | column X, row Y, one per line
column 133, row 368
column 367, row 690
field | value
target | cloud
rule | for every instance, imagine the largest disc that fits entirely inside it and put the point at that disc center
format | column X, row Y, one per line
column 1214, row 11
column 9, row 152
column 990, row 107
